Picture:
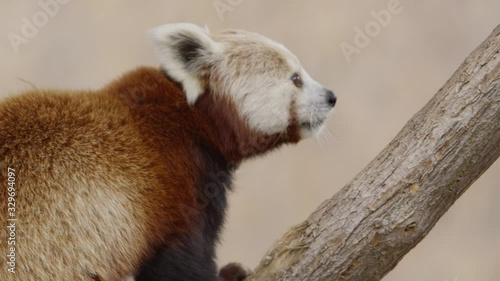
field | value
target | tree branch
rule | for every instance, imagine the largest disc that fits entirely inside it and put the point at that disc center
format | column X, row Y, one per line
column 366, row 228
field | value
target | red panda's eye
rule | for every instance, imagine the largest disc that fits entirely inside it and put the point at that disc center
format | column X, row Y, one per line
column 297, row 80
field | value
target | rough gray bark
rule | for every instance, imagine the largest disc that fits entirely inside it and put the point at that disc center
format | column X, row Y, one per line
column 366, row 228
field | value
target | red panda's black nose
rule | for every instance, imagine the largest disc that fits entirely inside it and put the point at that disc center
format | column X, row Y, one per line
column 331, row 98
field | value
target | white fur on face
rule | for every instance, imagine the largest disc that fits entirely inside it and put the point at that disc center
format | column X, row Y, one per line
column 256, row 72
column 311, row 106
column 261, row 100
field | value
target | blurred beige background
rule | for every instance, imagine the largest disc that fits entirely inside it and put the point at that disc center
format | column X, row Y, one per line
column 85, row 44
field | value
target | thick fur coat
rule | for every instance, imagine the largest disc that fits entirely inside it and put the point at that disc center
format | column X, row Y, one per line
column 132, row 179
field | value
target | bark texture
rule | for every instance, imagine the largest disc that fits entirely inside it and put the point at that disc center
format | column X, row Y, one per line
column 365, row 229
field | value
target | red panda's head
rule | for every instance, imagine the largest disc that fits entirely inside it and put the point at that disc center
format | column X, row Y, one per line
column 261, row 78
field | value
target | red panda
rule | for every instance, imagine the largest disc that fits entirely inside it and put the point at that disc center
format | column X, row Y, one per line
column 131, row 181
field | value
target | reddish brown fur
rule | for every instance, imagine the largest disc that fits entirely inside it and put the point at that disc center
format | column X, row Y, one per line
column 105, row 177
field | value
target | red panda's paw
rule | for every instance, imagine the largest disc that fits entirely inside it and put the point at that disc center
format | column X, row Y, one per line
column 233, row 272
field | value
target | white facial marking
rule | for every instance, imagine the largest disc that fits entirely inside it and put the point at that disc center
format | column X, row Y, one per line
column 312, row 106
column 264, row 91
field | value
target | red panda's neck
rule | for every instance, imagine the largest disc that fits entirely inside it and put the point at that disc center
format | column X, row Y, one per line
column 223, row 127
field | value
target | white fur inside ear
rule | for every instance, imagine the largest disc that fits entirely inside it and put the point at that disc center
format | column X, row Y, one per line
column 184, row 51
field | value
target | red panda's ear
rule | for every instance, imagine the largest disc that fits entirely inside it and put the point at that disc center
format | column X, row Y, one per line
column 185, row 50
